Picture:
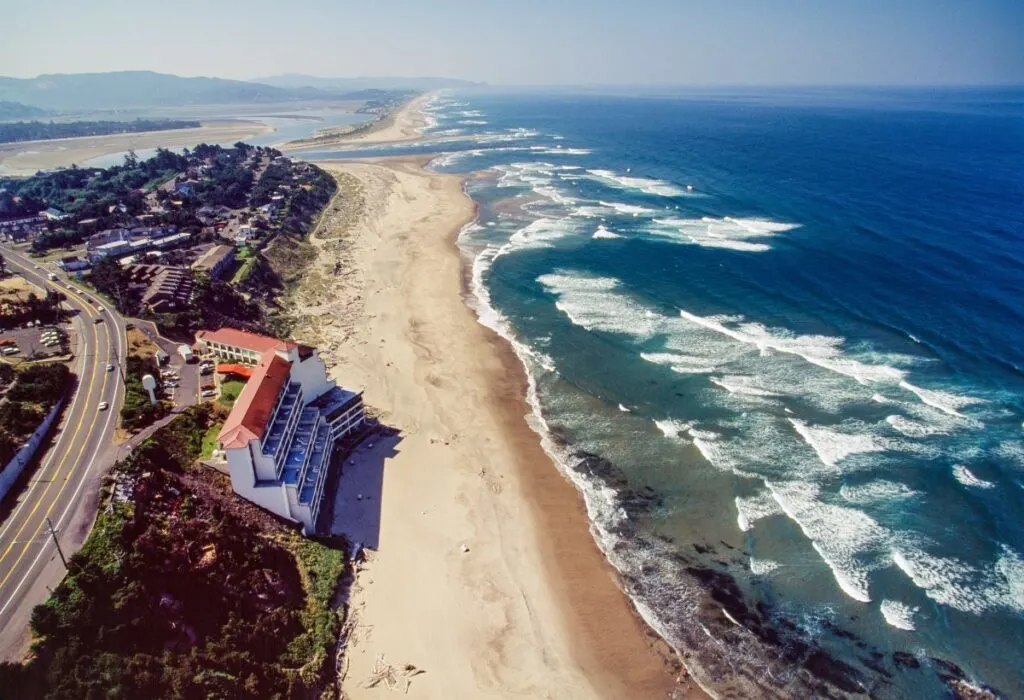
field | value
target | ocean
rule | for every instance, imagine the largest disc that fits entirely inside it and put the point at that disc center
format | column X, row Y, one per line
column 776, row 338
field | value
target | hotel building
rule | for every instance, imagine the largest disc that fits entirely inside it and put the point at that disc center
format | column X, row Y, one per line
column 282, row 430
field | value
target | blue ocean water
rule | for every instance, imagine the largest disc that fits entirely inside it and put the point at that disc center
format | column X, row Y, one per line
column 777, row 340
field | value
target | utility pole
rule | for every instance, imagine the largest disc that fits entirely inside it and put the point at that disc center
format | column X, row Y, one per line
column 53, row 534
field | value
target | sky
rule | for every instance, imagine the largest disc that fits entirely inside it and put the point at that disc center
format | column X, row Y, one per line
column 529, row 42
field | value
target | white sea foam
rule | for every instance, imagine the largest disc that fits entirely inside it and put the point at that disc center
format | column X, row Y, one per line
column 541, row 233
column 602, row 232
column 631, row 209
column 590, row 302
column 840, row 535
column 877, row 492
column 916, row 429
column 746, row 235
column 558, row 151
column 761, row 567
column 953, row 582
column 750, row 509
column 898, row 614
column 833, row 446
column 744, row 386
column 473, row 122
column 965, row 477
column 679, row 363
column 638, row 184
column 944, row 401
column 671, row 428
column 819, row 350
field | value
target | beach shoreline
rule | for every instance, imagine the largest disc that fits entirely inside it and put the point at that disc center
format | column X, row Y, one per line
column 24, row 158
column 404, row 124
column 481, row 569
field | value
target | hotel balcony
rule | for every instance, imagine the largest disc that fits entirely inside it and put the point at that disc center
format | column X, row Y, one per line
column 279, row 423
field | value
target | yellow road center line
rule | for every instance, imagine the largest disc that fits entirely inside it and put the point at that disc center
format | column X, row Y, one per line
column 78, row 428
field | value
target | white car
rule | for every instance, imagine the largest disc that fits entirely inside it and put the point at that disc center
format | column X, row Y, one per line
column 110, row 368
column 104, row 405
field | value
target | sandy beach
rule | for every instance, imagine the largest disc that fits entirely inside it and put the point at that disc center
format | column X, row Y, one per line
column 481, row 571
column 26, row 157
column 403, row 124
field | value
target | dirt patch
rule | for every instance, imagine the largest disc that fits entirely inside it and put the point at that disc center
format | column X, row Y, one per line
column 140, row 345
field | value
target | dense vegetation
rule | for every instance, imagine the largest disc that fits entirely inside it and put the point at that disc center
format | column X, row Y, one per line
column 184, row 590
column 44, row 309
column 137, row 412
column 11, row 132
column 34, row 392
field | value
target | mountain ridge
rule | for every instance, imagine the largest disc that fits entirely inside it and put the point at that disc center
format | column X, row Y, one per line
column 67, row 92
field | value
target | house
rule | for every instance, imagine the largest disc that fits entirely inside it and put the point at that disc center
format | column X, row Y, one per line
column 116, row 247
column 170, row 290
column 245, row 234
column 118, row 208
column 281, row 433
column 53, row 214
column 72, row 263
column 187, row 188
column 172, row 241
column 106, row 236
column 215, row 261
column 269, row 211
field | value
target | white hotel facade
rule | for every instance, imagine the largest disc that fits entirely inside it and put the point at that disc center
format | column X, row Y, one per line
column 281, row 433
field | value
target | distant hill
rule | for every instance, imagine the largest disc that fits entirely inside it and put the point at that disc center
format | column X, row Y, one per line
column 16, row 110
column 131, row 89
column 296, row 80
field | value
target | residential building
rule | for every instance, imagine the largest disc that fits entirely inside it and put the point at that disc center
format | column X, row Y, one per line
column 108, row 249
column 234, row 345
column 215, row 261
column 106, row 236
column 53, row 214
column 171, row 241
column 245, row 234
column 72, row 263
column 170, row 290
column 283, row 429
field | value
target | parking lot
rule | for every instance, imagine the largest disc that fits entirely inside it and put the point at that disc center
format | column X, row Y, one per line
column 37, row 342
column 186, row 376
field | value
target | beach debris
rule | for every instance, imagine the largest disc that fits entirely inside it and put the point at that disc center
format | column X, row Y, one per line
column 465, row 548
column 397, row 679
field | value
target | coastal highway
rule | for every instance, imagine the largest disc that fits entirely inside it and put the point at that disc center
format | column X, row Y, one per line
column 64, row 486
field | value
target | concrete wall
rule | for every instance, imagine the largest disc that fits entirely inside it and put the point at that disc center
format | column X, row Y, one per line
column 14, row 468
column 243, row 482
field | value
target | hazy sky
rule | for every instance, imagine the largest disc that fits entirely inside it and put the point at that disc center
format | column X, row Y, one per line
column 528, row 41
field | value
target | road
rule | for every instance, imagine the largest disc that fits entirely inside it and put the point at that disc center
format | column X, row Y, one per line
column 65, row 485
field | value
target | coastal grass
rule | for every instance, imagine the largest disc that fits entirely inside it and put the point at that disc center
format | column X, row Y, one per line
column 210, row 440
column 229, row 392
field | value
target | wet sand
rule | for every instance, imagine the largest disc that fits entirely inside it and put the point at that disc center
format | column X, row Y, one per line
column 481, row 570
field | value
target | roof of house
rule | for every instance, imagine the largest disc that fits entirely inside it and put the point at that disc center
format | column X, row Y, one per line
column 242, row 339
column 251, row 412
column 211, row 258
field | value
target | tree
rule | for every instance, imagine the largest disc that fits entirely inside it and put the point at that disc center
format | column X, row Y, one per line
column 110, row 278
column 3, row 266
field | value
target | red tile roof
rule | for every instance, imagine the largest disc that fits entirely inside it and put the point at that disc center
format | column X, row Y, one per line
column 242, row 339
column 249, row 416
